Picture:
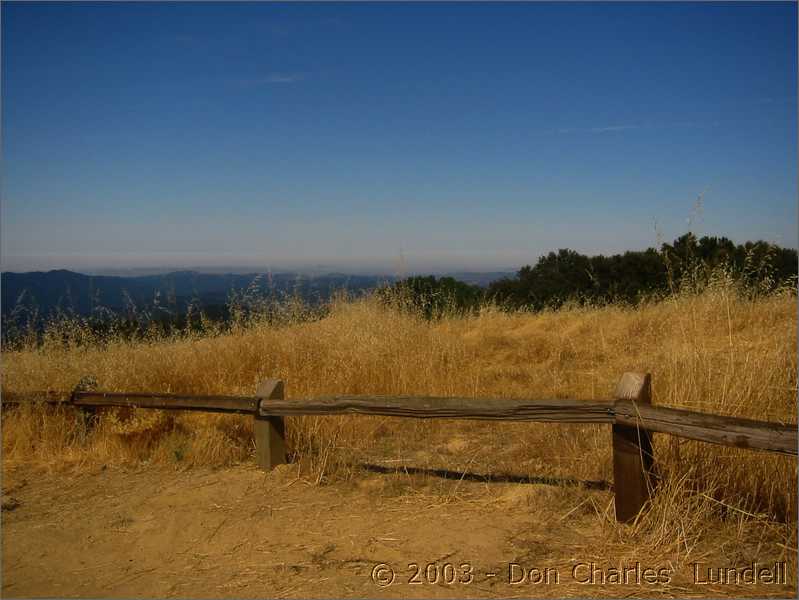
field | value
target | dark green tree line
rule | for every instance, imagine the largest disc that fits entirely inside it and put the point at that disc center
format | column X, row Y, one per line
column 569, row 275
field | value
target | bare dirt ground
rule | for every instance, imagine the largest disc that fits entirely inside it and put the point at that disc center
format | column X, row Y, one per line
column 241, row 533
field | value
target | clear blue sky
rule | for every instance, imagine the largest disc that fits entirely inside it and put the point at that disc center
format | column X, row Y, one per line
column 455, row 135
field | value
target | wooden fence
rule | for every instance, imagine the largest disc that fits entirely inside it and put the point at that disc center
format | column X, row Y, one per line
column 630, row 414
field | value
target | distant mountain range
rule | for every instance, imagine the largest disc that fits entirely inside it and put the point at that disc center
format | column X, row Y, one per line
column 87, row 294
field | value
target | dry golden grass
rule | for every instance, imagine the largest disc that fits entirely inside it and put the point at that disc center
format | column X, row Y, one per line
column 715, row 351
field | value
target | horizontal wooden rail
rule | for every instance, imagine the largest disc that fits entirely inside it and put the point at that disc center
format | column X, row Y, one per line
column 706, row 427
column 49, row 396
column 227, row 404
column 430, row 407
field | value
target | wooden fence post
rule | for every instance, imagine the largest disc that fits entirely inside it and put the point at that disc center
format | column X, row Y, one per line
column 270, row 432
column 632, row 451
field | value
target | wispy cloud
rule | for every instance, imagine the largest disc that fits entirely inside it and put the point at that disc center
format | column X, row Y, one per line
column 773, row 100
column 613, row 128
column 645, row 126
column 283, row 78
column 273, row 79
column 605, row 129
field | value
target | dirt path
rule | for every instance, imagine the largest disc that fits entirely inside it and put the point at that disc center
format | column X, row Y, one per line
column 241, row 533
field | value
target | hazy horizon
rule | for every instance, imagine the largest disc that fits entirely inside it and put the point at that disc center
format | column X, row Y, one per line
column 402, row 264
column 374, row 266
column 390, row 138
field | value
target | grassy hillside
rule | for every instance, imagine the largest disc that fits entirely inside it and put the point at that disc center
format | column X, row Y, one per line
column 715, row 350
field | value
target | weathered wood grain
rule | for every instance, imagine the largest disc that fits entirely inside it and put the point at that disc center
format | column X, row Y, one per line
column 228, row 404
column 426, row 407
column 632, row 450
column 705, row 427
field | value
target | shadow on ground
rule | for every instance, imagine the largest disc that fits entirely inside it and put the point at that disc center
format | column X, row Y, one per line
column 481, row 477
